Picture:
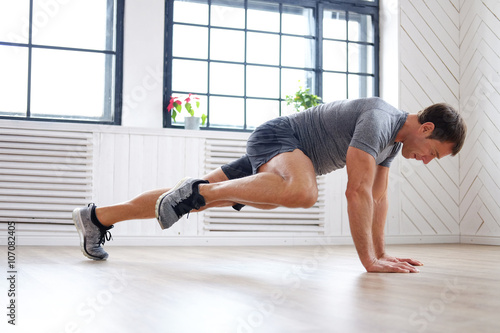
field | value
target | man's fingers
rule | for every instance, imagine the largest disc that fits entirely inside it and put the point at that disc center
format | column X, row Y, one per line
column 412, row 261
column 405, row 267
column 393, row 267
column 407, row 260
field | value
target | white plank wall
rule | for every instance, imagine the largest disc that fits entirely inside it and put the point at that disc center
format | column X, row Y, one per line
column 429, row 73
column 480, row 104
column 449, row 53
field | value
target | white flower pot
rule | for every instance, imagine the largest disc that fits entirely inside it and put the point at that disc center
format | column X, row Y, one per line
column 192, row 123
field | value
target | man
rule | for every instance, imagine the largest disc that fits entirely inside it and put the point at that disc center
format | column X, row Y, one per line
column 283, row 158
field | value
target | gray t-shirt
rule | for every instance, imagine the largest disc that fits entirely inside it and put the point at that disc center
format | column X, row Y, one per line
column 327, row 130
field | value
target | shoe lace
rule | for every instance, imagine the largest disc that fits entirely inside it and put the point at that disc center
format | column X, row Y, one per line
column 195, row 201
column 104, row 231
column 105, row 235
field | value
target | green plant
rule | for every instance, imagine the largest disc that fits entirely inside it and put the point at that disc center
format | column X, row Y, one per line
column 176, row 106
column 302, row 99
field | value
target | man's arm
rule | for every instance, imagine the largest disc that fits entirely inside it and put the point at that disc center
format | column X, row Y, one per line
column 380, row 207
column 361, row 173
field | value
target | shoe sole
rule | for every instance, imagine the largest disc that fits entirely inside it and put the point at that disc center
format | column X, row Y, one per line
column 81, row 230
column 160, row 198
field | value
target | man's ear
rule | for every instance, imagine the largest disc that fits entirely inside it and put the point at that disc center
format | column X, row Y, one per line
column 427, row 128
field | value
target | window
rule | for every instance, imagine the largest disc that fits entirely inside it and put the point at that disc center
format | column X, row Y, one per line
column 241, row 58
column 61, row 60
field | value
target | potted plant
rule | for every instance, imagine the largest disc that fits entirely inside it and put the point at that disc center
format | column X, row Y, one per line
column 302, row 99
column 176, row 106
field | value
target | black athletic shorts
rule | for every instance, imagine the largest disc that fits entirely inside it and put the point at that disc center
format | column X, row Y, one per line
column 268, row 140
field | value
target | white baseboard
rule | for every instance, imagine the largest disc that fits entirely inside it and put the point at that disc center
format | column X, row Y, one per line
column 480, row 240
column 422, row 239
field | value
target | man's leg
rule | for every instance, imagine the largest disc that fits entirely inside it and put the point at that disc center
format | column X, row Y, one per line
column 143, row 206
column 94, row 223
column 287, row 180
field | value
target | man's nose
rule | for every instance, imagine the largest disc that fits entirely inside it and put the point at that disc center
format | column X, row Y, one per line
column 427, row 159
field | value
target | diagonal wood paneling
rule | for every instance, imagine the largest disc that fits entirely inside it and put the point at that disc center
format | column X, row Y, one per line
column 430, row 73
column 480, row 104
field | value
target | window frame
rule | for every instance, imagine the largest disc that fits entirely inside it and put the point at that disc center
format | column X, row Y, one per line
column 359, row 6
column 118, row 69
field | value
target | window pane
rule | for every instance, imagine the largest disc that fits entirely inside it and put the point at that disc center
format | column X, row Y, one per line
column 190, row 42
column 287, row 110
column 334, row 24
column 360, row 58
column 292, row 79
column 263, row 48
column 68, row 84
column 78, row 23
column 226, row 112
column 189, row 76
column 230, row 14
column 263, row 81
column 227, row 45
column 259, row 111
column 13, row 80
column 298, row 21
column 297, row 52
column 191, row 12
column 263, row 16
column 14, row 18
column 360, row 86
column 226, row 79
column 360, row 28
column 334, row 87
column 334, row 56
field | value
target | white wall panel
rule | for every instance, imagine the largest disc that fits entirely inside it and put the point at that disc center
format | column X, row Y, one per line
column 480, row 98
column 429, row 73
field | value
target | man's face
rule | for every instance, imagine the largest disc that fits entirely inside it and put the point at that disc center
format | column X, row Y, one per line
column 422, row 149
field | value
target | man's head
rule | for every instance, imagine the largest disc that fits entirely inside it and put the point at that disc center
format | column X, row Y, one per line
column 449, row 126
column 437, row 131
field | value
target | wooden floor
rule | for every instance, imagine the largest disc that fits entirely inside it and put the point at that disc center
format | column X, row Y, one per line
column 253, row 289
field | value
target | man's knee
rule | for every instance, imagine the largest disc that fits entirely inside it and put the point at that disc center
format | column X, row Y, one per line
column 304, row 196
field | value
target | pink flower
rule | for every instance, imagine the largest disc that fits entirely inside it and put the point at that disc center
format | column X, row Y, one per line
column 172, row 101
column 191, row 96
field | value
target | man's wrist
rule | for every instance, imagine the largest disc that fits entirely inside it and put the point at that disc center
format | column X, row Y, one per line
column 368, row 261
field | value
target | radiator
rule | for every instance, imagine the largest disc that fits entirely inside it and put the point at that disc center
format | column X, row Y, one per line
column 44, row 174
column 218, row 221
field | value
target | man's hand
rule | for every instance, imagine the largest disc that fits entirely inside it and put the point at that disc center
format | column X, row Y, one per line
column 388, row 264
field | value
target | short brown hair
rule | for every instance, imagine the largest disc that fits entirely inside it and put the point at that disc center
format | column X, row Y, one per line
column 449, row 126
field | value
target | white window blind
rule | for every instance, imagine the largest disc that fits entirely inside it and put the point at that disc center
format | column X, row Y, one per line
column 44, row 174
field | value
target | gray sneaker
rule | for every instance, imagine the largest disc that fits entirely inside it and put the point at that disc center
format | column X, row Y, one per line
column 180, row 200
column 92, row 235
